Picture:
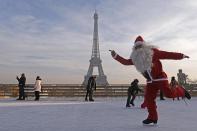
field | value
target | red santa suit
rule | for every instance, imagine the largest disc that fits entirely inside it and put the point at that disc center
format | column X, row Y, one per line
column 154, row 74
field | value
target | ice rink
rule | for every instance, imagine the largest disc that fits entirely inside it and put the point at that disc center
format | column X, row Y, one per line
column 105, row 114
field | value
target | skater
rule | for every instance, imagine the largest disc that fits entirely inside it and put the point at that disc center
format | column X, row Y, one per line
column 21, row 84
column 132, row 91
column 182, row 77
column 146, row 58
column 37, row 88
column 91, row 86
column 174, row 85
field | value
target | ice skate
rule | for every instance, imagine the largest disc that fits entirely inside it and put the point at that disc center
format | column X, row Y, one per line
column 91, row 99
column 187, row 95
column 162, row 99
column 149, row 122
column 132, row 103
column 128, row 106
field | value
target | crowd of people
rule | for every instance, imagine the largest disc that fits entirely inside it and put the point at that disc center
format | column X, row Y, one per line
column 147, row 60
column 90, row 87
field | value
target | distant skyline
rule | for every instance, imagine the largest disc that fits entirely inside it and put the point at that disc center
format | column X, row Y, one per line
column 53, row 39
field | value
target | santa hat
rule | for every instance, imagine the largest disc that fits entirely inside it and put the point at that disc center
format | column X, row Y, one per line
column 139, row 40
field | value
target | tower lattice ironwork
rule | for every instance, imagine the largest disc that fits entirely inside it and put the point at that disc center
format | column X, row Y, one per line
column 95, row 60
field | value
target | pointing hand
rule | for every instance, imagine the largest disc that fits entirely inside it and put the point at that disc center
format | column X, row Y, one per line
column 185, row 56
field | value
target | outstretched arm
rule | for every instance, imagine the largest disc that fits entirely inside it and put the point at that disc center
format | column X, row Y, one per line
column 121, row 59
column 17, row 78
column 169, row 55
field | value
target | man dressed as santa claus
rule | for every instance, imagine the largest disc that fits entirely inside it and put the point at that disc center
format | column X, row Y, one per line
column 146, row 58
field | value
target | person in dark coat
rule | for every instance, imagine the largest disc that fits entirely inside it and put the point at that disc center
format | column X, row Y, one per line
column 133, row 91
column 21, row 84
column 161, row 95
column 91, row 86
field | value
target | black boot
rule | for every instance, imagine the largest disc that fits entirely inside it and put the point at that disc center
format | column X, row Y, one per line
column 149, row 121
column 187, row 95
column 19, row 99
column 161, row 95
column 127, row 106
column 91, row 99
column 132, row 103
column 162, row 99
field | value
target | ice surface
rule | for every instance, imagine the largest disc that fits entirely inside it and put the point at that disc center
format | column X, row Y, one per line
column 105, row 114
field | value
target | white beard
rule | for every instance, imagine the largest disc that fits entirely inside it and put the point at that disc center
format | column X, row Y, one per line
column 142, row 57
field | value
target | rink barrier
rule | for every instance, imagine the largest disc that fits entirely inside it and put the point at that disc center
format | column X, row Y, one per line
column 75, row 90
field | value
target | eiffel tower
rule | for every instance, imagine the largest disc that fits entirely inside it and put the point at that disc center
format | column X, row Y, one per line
column 95, row 60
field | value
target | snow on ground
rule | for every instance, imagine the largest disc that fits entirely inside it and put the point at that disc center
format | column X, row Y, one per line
column 105, row 114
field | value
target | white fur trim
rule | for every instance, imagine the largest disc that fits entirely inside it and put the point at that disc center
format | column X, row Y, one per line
column 161, row 79
column 142, row 58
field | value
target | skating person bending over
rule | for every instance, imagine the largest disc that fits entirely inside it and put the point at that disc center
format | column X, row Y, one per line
column 133, row 91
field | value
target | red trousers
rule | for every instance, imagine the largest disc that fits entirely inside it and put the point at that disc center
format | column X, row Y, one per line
column 151, row 94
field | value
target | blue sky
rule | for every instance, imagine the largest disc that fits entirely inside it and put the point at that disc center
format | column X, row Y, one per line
column 53, row 38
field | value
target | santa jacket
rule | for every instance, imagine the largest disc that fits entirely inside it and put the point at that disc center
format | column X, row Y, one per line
column 156, row 73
